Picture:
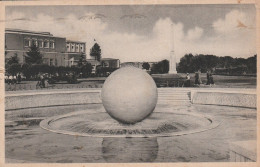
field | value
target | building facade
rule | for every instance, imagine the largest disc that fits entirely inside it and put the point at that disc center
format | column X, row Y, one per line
column 110, row 62
column 52, row 48
column 75, row 50
column 56, row 51
column 104, row 62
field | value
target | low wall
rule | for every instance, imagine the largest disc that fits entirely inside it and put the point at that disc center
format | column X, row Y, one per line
column 236, row 99
column 243, row 151
column 41, row 99
column 29, row 99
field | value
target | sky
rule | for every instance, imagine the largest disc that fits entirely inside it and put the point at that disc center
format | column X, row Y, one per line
column 143, row 32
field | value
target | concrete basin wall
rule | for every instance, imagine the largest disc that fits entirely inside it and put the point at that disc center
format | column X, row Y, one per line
column 42, row 99
column 29, row 99
column 225, row 98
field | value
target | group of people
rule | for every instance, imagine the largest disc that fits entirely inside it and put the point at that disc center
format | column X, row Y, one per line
column 210, row 80
column 43, row 80
column 13, row 79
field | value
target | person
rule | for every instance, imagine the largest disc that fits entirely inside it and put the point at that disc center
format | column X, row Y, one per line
column 211, row 79
column 11, row 80
column 188, row 80
column 196, row 78
column 208, row 79
column 19, row 78
column 199, row 77
column 42, row 80
column 14, row 79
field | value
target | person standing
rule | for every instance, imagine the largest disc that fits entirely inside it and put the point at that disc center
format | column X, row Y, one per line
column 208, row 79
column 199, row 77
column 42, row 81
column 211, row 79
column 188, row 80
column 196, row 78
column 19, row 78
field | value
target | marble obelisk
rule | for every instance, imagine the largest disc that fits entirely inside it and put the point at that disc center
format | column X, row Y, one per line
column 172, row 63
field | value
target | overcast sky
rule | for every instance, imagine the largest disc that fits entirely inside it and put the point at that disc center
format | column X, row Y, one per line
column 142, row 33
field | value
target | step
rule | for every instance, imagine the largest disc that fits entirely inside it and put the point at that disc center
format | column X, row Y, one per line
column 174, row 91
column 173, row 100
column 175, row 103
column 172, row 95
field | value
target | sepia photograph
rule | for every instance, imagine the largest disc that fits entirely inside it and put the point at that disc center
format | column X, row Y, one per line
column 130, row 83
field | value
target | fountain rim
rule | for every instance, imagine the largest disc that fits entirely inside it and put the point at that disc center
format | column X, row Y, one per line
column 44, row 124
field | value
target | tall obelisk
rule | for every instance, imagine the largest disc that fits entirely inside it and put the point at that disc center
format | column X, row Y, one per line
column 172, row 63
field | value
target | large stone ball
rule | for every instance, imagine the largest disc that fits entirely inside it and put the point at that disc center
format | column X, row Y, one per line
column 129, row 95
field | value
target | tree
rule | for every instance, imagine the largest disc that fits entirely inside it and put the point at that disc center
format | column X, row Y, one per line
column 82, row 60
column 96, row 52
column 185, row 64
column 12, row 65
column 251, row 64
column 13, row 60
column 26, row 70
column 146, row 66
column 14, row 68
column 160, row 67
column 86, row 69
column 34, row 56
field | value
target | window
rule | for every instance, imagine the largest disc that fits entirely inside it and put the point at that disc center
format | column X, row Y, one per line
column 72, row 47
column 34, row 42
column 77, row 48
column 82, row 47
column 68, row 47
column 51, row 44
column 26, row 42
column 51, row 62
column 40, row 44
column 46, row 44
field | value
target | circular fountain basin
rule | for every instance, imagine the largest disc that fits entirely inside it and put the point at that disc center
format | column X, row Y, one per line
column 100, row 124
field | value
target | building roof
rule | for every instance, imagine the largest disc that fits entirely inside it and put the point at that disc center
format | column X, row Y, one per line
column 108, row 59
column 75, row 41
column 28, row 32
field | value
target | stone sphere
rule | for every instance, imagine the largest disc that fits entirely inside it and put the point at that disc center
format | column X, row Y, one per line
column 129, row 95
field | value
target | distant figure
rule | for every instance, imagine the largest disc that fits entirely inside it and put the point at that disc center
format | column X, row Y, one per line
column 197, row 78
column 19, row 78
column 211, row 79
column 208, row 79
column 9, row 80
column 14, row 81
column 188, row 80
column 42, row 80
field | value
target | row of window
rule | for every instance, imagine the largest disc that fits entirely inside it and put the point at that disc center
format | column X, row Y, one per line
column 75, row 48
column 40, row 43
